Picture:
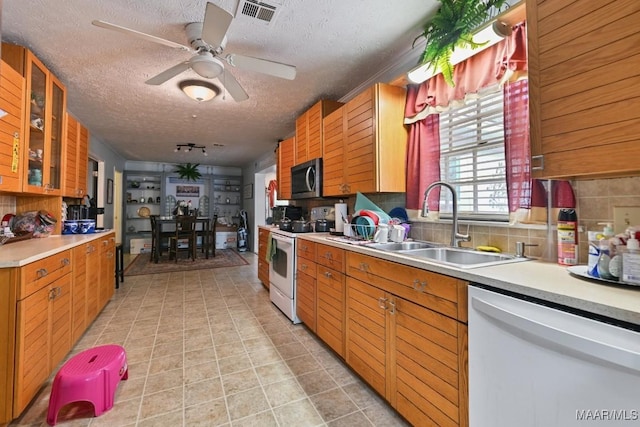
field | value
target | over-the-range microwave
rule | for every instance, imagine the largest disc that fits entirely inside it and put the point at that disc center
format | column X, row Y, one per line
column 306, row 180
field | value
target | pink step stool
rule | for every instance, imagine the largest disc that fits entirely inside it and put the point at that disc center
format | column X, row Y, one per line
column 91, row 376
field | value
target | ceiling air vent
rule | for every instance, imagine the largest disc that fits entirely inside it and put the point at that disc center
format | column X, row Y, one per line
column 263, row 12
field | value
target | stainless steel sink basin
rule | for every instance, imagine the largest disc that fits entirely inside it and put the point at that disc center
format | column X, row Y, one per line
column 462, row 258
column 402, row 246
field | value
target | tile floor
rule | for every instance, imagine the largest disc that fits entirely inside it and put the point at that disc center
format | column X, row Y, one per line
column 207, row 348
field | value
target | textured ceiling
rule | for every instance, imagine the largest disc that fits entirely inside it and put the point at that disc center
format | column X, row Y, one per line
column 336, row 45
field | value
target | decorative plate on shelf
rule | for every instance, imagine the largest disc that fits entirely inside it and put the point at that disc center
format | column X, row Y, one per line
column 144, row 212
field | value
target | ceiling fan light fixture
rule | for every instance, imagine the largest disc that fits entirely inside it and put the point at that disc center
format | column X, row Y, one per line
column 199, row 90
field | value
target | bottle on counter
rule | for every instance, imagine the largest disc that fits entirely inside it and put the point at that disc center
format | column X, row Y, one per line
column 631, row 262
column 567, row 237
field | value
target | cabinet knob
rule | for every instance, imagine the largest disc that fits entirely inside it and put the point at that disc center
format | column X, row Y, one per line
column 41, row 273
column 65, row 262
column 328, row 256
column 303, row 267
column 418, row 285
column 364, row 266
column 328, row 274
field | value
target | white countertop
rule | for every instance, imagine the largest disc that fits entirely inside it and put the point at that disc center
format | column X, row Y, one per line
column 27, row 251
column 544, row 280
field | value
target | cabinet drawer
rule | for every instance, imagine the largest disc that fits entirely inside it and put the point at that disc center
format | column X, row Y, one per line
column 330, row 256
column 306, row 249
column 442, row 294
column 307, row 267
column 41, row 273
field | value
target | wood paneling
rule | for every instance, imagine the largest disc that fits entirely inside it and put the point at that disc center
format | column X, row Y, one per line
column 12, row 99
column 285, row 161
column 584, row 92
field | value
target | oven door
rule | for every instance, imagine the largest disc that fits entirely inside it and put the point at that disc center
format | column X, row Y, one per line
column 282, row 265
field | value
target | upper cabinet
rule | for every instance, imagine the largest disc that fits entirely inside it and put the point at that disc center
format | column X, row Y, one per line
column 365, row 143
column 11, row 129
column 44, row 122
column 286, row 155
column 76, row 159
column 584, row 87
column 308, row 143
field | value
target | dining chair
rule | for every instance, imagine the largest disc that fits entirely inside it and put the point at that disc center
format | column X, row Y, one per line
column 185, row 231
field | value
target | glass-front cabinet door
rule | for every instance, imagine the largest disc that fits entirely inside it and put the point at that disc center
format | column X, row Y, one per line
column 45, row 131
column 37, row 90
column 56, row 137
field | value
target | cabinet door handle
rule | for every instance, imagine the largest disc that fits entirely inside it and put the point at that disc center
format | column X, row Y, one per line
column 41, row 273
column 540, row 158
column 52, row 294
column 418, row 285
column 392, row 303
column 328, row 274
column 382, row 303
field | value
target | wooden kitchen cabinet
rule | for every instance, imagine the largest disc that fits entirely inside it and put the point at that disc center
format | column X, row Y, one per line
column 584, row 88
column 92, row 276
column 106, row 284
column 407, row 337
column 366, row 144
column 76, row 158
column 330, row 299
column 12, row 99
column 306, row 283
column 45, row 307
column 43, row 325
column 263, row 265
column 309, row 132
column 44, row 122
column 286, row 154
column 79, row 292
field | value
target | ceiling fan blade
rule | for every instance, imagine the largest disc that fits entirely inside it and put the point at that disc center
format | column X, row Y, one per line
column 215, row 25
column 233, row 87
column 140, row 35
column 264, row 66
column 168, row 74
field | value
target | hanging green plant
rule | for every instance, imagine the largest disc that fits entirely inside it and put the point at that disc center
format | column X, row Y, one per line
column 453, row 26
column 188, row 171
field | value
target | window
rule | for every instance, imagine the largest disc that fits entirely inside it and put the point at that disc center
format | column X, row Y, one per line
column 472, row 157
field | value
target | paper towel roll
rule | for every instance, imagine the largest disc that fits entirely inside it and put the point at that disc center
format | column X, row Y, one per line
column 341, row 216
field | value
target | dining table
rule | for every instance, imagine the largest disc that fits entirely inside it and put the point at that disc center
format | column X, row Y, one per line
column 167, row 224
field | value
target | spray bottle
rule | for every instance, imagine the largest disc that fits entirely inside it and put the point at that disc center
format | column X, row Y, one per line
column 567, row 237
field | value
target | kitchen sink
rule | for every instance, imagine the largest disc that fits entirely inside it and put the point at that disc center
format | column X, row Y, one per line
column 402, row 246
column 462, row 258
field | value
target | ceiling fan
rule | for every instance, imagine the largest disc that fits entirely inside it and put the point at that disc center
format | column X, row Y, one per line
column 208, row 40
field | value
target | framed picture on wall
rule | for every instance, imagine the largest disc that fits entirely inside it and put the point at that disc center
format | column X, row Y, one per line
column 248, row 191
column 109, row 191
column 187, row 190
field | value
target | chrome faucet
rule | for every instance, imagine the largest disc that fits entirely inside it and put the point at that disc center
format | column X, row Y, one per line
column 456, row 237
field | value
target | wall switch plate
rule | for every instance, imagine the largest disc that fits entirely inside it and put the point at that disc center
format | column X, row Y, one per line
column 625, row 216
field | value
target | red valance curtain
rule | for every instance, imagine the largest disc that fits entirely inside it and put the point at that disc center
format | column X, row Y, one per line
column 500, row 62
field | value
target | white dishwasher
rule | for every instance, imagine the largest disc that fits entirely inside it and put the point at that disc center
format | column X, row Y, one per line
column 533, row 365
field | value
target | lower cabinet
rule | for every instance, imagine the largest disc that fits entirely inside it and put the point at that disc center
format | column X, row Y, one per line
column 263, row 265
column 330, row 303
column 45, row 308
column 407, row 336
column 306, row 283
column 402, row 329
column 43, row 325
column 106, row 285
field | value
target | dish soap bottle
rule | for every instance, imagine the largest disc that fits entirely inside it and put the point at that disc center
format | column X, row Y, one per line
column 631, row 262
